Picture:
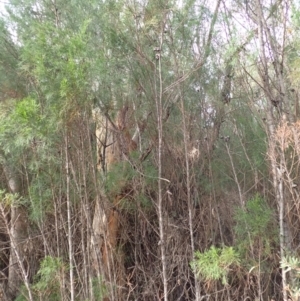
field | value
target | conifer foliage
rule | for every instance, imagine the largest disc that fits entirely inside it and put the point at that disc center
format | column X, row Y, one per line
column 149, row 150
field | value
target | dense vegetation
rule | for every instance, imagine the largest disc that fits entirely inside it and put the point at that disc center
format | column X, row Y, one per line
column 149, row 150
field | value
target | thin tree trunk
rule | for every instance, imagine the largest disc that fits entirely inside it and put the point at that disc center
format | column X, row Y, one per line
column 69, row 220
column 266, row 39
column 158, row 103
column 188, row 185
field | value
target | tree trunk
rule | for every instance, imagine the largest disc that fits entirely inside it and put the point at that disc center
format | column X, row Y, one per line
column 275, row 93
column 18, row 234
column 113, row 145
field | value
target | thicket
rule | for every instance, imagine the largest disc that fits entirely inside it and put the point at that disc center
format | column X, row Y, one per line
column 149, row 150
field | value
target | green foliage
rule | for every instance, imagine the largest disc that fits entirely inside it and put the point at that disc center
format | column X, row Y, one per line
column 118, row 177
column 144, row 201
column 77, row 53
column 150, row 172
column 252, row 135
column 41, row 198
column 23, row 295
column 214, row 264
column 247, row 147
column 131, row 205
column 58, row 60
column 11, row 82
column 99, row 288
column 10, row 199
column 49, row 277
column 292, row 264
column 256, row 219
column 27, row 139
column 21, row 123
column 255, row 227
column 47, row 281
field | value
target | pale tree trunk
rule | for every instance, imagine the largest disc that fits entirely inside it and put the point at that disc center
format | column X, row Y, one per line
column 275, row 93
column 18, row 233
column 159, row 112
column 114, row 144
column 99, row 218
column 189, row 195
column 69, row 221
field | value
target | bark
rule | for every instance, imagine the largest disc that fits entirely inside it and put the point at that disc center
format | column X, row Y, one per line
column 69, row 221
column 114, row 144
column 189, row 194
column 276, row 95
column 18, row 233
column 159, row 113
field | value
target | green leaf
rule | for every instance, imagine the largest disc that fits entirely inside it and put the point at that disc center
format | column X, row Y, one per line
column 214, row 264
